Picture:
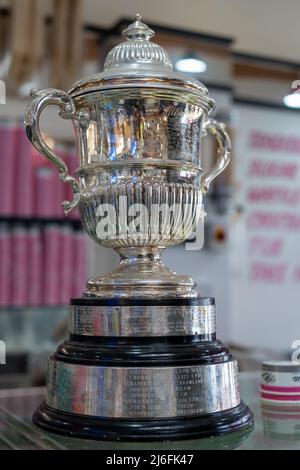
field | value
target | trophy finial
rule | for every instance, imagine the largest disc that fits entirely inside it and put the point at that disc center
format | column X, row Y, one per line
column 138, row 51
column 138, row 30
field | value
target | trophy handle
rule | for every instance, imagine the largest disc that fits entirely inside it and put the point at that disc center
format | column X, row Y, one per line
column 218, row 130
column 41, row 99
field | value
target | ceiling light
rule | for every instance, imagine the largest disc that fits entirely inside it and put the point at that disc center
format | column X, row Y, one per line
column 292, row 100
column 191, row 65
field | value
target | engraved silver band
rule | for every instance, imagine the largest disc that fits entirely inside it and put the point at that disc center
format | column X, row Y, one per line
column 177, row 320
column 142, row 392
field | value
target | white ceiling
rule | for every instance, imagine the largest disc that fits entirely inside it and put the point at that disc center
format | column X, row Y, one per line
column 265, row 27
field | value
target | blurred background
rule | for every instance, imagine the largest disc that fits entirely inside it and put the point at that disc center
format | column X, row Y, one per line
column 247, row 54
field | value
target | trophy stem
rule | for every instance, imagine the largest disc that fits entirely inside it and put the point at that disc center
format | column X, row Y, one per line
column 141, row 273
column 140, row 255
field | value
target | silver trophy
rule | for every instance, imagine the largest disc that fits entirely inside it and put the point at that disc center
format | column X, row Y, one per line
column 142, row 360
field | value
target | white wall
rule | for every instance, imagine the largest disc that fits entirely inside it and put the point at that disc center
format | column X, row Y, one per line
column 264, row 309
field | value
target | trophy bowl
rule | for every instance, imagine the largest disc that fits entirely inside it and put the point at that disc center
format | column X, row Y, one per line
column 140, row 182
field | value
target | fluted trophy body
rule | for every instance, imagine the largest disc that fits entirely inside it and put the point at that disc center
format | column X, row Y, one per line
column 140, row 185
column 142, row 345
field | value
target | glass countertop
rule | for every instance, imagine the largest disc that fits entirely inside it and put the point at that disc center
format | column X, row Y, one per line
column 273, row 429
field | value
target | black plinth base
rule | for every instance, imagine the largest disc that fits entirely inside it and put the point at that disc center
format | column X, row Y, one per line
column 200, row 354
column 67, row 424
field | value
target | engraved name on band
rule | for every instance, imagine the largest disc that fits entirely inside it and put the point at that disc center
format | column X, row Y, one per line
column 124, row 392
column 142, row 320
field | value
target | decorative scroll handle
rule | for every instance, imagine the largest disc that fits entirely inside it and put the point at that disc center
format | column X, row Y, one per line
column 218, row 130
column 41, row 99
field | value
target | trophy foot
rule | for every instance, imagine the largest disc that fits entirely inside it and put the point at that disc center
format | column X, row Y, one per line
column 143, row 369
column 141, row 274
column 239, row 418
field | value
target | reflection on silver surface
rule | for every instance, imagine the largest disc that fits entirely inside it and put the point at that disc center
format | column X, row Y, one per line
column 18, row 405
column 142, row 392
column 142, row 320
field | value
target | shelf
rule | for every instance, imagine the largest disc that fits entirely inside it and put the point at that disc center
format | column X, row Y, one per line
column 20, row 308
column 38, row 220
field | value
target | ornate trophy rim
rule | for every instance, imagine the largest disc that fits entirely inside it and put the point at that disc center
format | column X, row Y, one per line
column 139, row 62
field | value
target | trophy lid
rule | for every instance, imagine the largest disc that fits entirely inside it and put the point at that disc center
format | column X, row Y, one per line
column 139, row 62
